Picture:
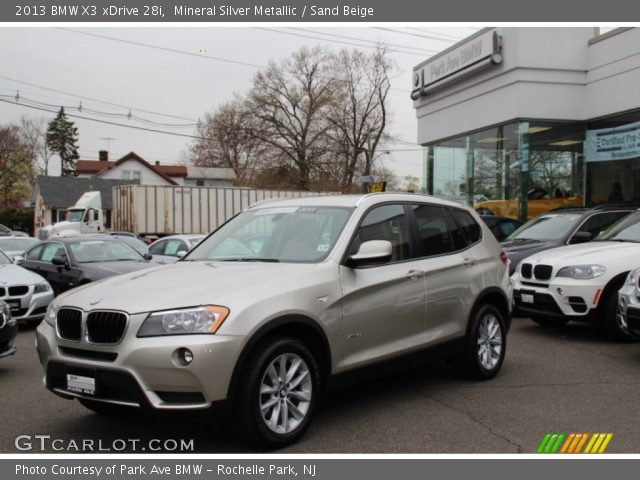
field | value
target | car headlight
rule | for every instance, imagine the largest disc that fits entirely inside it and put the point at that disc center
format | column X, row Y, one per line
column 41, row 288
column 50, row 315
column 206, row 319
column 582, row 272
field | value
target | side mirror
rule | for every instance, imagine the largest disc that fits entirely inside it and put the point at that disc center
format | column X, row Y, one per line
column 18, row 260
column 60, row 261
column 147, row 256
column 581, row 237
column 181, row 253
column 371, row 252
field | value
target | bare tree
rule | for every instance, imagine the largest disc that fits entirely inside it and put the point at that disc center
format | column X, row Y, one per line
column 291, row 99
column 34, row 134
column 226, row 139
column 16, row 166
column 359, row 118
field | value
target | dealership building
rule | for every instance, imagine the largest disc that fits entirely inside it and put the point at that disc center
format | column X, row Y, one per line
column 526, row 114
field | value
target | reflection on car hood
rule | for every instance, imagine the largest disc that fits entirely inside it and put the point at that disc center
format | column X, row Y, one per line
column 603, row 253
column 527, row 244
column 183, row 284
column 96, row 271
column 15, row 275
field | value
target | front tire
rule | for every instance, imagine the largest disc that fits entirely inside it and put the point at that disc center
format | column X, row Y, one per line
column 278, row 392
column 485, row 345
column 609, row 323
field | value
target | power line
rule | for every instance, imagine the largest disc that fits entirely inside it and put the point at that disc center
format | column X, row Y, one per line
column 136, row 127
column 329, row 40
column 364, row 40
column 443, row 35
column 430, row 37
column 94, row 99
column 165, row 49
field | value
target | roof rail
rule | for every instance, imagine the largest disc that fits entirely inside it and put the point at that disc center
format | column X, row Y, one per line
column 609, row 206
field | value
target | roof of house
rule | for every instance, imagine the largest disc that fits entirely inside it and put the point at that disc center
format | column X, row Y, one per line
column 96, row 167
column 133, row 156
column 63, row 192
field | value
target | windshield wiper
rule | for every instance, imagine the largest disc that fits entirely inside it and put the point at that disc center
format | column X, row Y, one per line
column 247, row 259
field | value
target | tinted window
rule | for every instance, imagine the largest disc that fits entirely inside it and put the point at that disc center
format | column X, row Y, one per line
column 34, row 253
column 551, row 226
column 175, row 246
column 466, row 223
column 52, row 250
column 601, row 221
column 157, row 248
column 433, row 230
column 387, row 222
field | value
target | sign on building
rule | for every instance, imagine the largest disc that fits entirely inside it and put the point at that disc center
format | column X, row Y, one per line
column 617, row 143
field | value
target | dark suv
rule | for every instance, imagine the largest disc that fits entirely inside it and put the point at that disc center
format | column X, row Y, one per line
column 565, row 226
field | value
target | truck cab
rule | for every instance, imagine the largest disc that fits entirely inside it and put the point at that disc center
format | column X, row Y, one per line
column 85, row 216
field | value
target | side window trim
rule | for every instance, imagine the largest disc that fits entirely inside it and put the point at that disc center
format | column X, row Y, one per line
column 161, row 243
column 464, row 234
column 411, row 258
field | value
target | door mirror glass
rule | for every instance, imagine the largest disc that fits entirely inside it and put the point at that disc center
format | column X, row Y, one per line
column 60, row 260
column 181, row 253
column 581, row 237
column 372, row 252
column 18, row 260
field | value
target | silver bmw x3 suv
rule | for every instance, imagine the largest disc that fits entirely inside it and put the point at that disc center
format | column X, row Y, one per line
column 276, row 302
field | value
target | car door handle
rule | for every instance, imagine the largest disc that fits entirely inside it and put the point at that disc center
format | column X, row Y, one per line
column 414, row 274
column 468, row 262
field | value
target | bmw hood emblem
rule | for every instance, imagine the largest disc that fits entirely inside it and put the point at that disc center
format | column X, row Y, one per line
column 95, row 301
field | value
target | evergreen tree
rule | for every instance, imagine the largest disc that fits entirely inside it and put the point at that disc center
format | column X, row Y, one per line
column 62, row 136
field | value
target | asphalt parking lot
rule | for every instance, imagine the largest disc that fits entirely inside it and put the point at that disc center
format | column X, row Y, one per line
column 553, row 380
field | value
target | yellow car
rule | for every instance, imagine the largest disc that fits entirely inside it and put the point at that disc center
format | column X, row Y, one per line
column 539, row 202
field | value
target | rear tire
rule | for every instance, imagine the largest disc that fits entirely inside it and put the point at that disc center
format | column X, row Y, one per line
column 278, row 392
column 485, row 345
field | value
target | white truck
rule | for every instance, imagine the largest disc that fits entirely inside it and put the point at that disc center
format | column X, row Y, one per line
column 158, row 210
column 86, row 216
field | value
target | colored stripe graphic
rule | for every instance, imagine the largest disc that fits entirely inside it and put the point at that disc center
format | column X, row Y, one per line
column 555, row 442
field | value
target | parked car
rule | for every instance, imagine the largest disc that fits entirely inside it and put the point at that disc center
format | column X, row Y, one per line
column 14, row 246
column 8, row 330
column 561, row 227
column 26, row 293
column 170, row 249
column 133, row 241
column 581, row 282
column 67, row 262
column 501, row 227
column 338, row 283
column 6, row 231
column 629, row 304
column 539, row 201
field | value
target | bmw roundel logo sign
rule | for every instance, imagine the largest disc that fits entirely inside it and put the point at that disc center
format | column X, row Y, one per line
column 416, row 79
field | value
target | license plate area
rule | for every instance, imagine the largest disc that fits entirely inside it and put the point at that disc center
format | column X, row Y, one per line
column 14, row 305
column 81, row 381
column 528, row 296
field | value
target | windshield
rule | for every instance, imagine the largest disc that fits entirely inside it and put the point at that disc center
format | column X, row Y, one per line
column 92, row 251
column 74, row 215
column 16, row 244
column 626, row 230
column 4, row 260
column 547, row 227
column 278, row 234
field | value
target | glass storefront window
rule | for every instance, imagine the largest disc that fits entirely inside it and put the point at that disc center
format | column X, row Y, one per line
column 485, row 169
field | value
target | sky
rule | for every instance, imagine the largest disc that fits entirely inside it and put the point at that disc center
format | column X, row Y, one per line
column 167, row 78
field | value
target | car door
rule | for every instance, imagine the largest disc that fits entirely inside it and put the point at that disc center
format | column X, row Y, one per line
column 32, row 260
column 383, row 305
column 157, row 250
column 453, row 272
column 60, row 278
column 599, row 222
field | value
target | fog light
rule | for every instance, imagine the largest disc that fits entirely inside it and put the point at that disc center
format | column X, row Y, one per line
column 560, row 291
column 185, row 356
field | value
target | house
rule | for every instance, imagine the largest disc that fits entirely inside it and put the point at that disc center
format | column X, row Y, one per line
column 53, row 195
column 134, row 167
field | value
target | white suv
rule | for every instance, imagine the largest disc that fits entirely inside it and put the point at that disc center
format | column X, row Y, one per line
column 581, row 282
